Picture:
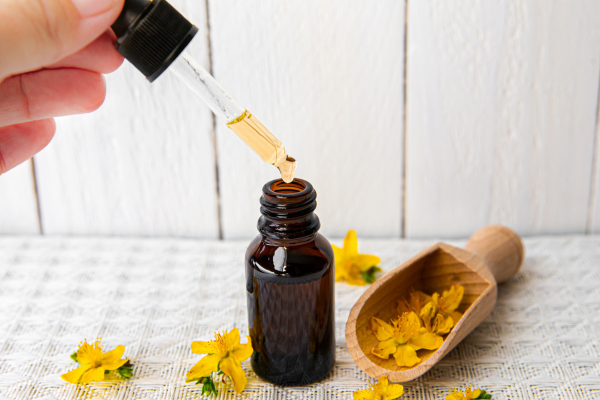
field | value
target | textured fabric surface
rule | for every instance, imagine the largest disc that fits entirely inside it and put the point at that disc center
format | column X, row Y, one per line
column 157, row 296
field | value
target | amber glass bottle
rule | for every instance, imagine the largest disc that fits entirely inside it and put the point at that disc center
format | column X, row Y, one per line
column 289, row 283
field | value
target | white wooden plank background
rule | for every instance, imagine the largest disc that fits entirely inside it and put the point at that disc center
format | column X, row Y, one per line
column 501, row 114
column 142, row 165
column 327, row 79
column 502, row 103
column 18, row 204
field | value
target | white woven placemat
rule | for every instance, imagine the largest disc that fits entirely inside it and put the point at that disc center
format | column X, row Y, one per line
column 157, row 296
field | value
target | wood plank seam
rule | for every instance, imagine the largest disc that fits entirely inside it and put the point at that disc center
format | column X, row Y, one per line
column 404, row 99
column 214, row 127
column 595, row 165
column 37, row 196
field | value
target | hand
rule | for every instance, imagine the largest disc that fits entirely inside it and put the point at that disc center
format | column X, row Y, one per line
column 52, row 55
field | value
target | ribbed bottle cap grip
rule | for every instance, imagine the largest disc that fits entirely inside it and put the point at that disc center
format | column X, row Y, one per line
column 156, row 37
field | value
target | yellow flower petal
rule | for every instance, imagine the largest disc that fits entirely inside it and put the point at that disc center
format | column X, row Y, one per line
column 380, row 391
column 112, row 360
column 242, row 351
column 413, row 319
column 393, row 392
column 406, row 356
column 199, row 347
column 384, row 348
column 427, row 312
column 338, row 254
column 89, row 354
column 232, row 338
column 341, row 270
column 232, row 368
column 206, row 366
column 453, row 297
column 426, row 340
column 455, row 396
column 93, row 375
column 365, row 395
column 365, row 261
column 115, row 365
column 351, row 244
column 381, row 384
column 474, row 394
column 381, row 329
column 75, row 375
column 355, row 279
column 456, row 316
column 442, row 325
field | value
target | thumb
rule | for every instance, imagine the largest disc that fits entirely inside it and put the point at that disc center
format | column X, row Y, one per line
column 36, row 33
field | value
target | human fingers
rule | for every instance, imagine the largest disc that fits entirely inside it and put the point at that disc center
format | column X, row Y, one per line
column 100, row 56
column 18, row 143
column 50, row 93
column 36, row 33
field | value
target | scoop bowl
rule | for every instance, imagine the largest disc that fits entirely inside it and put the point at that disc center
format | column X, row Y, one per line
column 492, row 255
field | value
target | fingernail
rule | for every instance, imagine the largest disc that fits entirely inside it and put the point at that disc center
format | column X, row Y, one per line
column 91, row 8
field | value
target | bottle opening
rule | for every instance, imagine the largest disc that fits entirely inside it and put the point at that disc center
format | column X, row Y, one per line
column 287, row 210
column 293, row 194
column 282, row 187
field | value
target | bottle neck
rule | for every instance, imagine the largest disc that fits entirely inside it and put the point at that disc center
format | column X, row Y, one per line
column 288, row 210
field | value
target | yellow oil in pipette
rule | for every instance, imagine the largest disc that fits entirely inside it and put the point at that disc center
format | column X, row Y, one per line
column 264, row 143
column 238, row 119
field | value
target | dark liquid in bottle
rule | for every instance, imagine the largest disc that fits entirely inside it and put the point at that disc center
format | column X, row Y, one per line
column 290, row 292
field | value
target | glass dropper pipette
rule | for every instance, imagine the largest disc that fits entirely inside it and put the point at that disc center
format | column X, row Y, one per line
column 152, row 35
column 238, row 119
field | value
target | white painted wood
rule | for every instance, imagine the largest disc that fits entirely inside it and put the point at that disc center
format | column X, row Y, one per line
column 18, row 205
column 143, row 164
column 500, row 115
column 326, row 77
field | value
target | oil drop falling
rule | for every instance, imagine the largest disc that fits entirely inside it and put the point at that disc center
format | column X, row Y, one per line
column 264, row 143
column 287, row 168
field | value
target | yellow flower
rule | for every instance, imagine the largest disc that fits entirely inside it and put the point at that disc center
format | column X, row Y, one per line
column 225, row 353
column 434, row 322
column 352, row 267
column 468, row 394
column 402, row 338
column 94, row 363
column 437, row 313
column 380, row 391
column 448, row 302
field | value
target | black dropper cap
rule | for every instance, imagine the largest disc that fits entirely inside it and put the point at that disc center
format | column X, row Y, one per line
column 151, row 34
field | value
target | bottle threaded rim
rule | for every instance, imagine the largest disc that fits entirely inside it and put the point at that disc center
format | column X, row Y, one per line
column 287, row 209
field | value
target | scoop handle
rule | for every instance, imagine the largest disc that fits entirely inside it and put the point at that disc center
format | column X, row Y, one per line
column 501, row 249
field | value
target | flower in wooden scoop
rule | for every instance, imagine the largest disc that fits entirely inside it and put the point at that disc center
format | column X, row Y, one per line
column 448, row 302
column 434, row 322
column 352, row 267
column 402, row 338
column 467, row 394
column 437, row 313
column 382, row 390
column 95, row 363
column 225, row 355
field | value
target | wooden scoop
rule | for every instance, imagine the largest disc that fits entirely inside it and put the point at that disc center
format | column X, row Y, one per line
column 493, row 254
